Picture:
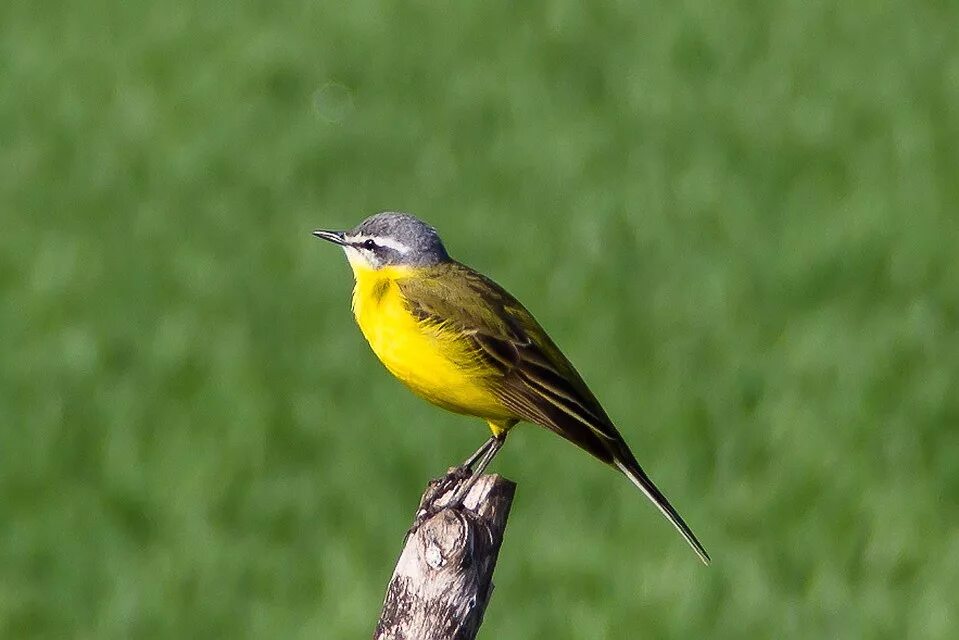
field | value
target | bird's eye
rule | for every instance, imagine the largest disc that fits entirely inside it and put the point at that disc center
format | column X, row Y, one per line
column 369, row 244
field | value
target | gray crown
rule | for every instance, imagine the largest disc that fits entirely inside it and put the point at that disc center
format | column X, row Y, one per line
column 424, row 244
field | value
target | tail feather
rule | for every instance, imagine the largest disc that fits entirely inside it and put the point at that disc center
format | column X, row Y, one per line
column 641, row 480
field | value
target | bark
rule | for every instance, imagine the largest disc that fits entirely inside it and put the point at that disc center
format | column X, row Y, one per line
column 443, row 579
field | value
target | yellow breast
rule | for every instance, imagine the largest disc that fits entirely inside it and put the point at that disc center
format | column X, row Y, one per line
column 431, row 359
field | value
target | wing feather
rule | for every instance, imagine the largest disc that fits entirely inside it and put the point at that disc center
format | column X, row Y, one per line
column 532, row 376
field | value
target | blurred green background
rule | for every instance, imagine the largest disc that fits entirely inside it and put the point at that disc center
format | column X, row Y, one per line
column 739, row 220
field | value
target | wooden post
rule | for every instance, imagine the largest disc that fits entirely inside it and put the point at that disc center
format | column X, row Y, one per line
column 443, row 579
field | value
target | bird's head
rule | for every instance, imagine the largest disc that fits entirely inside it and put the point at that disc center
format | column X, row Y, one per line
column 389, row 239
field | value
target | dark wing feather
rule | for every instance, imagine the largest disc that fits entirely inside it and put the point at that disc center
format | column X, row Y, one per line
column 534, row 379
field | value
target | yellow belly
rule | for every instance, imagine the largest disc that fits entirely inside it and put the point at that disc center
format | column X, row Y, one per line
column 433, row 361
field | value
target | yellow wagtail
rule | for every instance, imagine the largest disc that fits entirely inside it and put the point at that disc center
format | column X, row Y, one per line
column 459, row 340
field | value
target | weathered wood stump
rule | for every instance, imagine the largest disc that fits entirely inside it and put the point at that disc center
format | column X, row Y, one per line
column 443, row 579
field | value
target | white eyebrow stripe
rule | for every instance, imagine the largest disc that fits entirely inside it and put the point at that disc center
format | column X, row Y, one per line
column 390, row 243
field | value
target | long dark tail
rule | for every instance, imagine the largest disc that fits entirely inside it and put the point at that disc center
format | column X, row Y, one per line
column 626, row 463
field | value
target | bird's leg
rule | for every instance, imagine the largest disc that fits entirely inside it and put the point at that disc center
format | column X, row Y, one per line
column 483, row 456
column 494, row 445
column 466, row 468
column 457, row 475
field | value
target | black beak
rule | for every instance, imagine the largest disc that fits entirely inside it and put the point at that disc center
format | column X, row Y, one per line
column 336, row 237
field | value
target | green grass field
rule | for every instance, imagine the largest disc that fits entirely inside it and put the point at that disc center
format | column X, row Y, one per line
column 740, row 220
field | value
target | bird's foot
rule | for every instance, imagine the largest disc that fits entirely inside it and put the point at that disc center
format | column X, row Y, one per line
column 460, row 473
column 444, row 485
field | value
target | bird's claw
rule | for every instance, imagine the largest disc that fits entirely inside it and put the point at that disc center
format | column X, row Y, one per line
column 446, row 484
column 458, row 474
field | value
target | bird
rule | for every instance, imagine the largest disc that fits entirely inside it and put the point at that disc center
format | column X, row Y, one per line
column 462, row 342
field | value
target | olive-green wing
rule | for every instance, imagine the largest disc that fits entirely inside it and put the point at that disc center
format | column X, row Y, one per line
column 531, row 375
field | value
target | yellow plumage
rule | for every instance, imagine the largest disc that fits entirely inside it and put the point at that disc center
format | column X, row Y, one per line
column 462, row 342
column 432, row 360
